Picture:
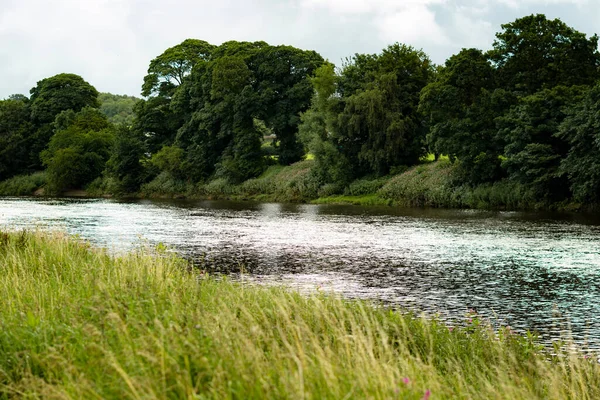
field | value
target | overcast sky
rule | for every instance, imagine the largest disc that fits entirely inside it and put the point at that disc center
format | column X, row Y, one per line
column 111, row 42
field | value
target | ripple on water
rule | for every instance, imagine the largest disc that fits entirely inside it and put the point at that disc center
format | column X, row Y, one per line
column 527, row 270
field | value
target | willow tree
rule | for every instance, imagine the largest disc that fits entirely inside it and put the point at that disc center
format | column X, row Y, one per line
column 380, row 125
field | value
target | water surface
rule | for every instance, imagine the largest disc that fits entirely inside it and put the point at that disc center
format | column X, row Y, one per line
column 533, row 271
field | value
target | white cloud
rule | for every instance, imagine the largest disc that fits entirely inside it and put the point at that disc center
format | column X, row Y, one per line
column 414, row 25
column 469, row 28
column 517, row 4
column 367, row 6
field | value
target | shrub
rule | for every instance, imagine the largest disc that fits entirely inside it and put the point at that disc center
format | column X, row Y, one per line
column 23, row 185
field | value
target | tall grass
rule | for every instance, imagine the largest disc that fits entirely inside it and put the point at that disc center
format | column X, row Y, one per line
column 23, row 185
column 426, row 185
column 433, row 185
column 78, row 323
column 292, row 183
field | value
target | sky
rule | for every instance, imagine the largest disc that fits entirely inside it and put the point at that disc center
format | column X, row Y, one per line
column 111, row 42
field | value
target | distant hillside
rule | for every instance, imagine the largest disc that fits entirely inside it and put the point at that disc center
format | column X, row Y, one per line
column 118, row 108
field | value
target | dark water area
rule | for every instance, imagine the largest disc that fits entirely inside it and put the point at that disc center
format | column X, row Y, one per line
column 532, row 271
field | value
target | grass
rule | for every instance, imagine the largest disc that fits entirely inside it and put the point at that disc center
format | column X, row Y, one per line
column 432, row 184
column 77, row 323
column 23, row 185
column 362, row 200
column 426, row 185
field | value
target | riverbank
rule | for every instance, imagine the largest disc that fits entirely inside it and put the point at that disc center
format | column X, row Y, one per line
column 430, row 184
column 79, row 323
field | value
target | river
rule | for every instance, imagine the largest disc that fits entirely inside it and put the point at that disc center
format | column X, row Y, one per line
column 532, row 271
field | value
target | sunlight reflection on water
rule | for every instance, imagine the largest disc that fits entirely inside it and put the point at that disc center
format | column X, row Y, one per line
column 528, row 270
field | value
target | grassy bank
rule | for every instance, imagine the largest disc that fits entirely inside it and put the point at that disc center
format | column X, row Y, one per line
column 78, row 323
column 430, row 184
column 23, row 185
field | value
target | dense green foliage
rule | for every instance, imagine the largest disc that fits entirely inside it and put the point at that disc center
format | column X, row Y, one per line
column 78, row 150
column 80, row 323
column 49, row 98
column 16, row 134
column 118, row 108
column 522, row 115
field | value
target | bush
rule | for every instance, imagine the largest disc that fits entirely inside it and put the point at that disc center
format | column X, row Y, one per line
column 296, row 182
column 164, row 185
column 434, row 185
column 426, row 185
column 23, row 185
column 363, row 187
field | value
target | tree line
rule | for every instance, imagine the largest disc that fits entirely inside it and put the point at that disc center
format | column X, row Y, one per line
column 527, row 111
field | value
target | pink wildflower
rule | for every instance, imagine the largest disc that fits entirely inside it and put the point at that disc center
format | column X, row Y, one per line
column 406, row 381
column 427, row 394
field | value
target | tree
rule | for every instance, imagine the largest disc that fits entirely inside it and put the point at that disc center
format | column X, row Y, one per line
column 461, row 107
column 581, row 129
column 534, row 52
column 16, row 133
column 118, row 108
column 380, row 125
column 125, row 164
column 167, row 71
column 155, row 118
column 61, row 92
column 236, row 103
column 50, row 97
column 156, row 122
column 227, row 100
column 282, row 76
column 170, row 159
column 534, row 151
column 318, row 127
column 78, row 151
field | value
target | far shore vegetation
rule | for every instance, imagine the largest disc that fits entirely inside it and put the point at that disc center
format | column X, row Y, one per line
column 516, row 127
column 78, row 322
column 427, row 185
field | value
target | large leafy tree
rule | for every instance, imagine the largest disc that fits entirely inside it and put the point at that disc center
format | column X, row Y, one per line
column 157, row 118
column 319, row 126
column 157, row 122
column 460, row 107
column 167, row 71
column 283, row 84
column 16, row 132
column 534, row 151
column 50, row 97
column 581, row 129
column 78, row 151
column 534, row 52
column 244, row 86
column 236, row 102
column 221, row 136
column 380, row 126
column 61, row 92
column 126, row 162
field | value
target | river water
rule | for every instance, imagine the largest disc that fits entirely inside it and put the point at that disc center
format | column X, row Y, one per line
column 532, row 271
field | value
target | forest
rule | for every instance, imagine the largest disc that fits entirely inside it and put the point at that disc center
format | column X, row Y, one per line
column 522, row 118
